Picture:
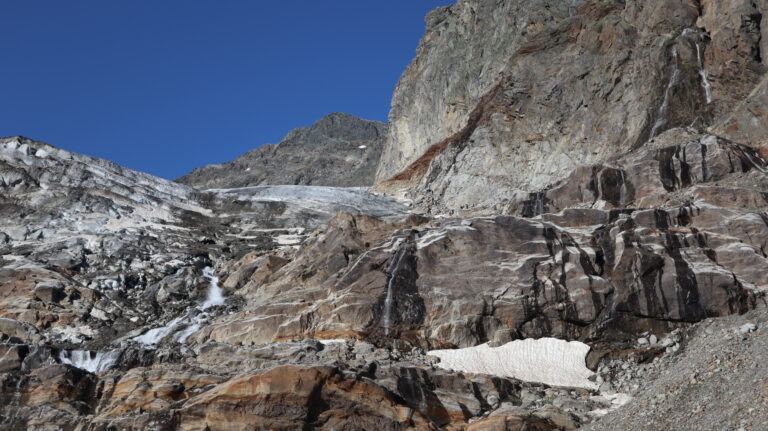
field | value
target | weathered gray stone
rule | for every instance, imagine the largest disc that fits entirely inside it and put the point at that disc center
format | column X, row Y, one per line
column 339, row 150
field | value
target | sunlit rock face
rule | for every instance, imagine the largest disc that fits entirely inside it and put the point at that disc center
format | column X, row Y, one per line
column 579, row 183
column 580, row 90
column 339, row 150
column 464, row 49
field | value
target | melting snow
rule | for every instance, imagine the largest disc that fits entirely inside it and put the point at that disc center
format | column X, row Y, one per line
column 545, row 360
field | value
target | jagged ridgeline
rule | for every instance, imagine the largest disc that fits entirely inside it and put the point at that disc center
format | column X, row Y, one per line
column 338, row 150
column 567, row 228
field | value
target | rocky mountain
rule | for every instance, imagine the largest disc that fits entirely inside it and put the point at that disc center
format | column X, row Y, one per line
column 582, row 88
column 579, row 240
column 339, row 150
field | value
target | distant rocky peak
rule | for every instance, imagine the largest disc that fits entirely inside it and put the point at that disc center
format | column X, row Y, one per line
column 338, row 150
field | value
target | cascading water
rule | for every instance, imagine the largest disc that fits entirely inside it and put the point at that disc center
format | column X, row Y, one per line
column 153, row 336
column 539, row 204
column 392, row 271
column 599, row 184
column 93, row 362
column 215, row 296
column 180, row 328
column 661, row 117
column 697, row 37
column 703, row 73
column 622, row 189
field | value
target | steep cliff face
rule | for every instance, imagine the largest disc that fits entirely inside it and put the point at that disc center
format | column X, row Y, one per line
column 593, row 171
column 460, row 57
column 587, row 88
column 339, row 150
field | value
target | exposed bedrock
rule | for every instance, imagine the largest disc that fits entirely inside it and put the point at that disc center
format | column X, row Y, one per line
column 580, row 91
column 592, row 171
column 339, row 150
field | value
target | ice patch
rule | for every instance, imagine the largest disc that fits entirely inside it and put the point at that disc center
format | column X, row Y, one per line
column 545, row 360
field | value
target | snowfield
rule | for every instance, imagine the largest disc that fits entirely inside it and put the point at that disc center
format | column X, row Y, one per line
column 546, row 360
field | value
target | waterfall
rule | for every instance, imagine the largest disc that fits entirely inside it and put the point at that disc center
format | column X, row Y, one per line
column 180, row 328
column 539, row 204
column 153, row 336
column 598, row 184
column 392, row 270
column 536, row 204
column 623, row 189
column 661, row 117
column 703, row 73
column 215, row 296
column 93, row 362
column 697, row 39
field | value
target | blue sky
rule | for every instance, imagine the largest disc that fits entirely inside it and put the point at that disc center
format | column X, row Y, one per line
column 166, row 86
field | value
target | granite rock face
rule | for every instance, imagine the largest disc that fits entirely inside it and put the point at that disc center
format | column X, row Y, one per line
column 594, row 171
column 92, row 251
column 585, row 89
column 339, row 150
column 660, row 238
column 465, row 48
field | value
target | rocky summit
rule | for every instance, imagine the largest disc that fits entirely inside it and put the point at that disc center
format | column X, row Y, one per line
column 339, row 150
column 567, row 228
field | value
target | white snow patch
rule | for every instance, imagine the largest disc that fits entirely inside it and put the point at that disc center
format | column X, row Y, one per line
column 334, row 341
column 545, row 360
column 362, row 147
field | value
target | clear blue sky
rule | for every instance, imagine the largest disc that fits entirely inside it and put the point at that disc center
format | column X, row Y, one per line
column 166, row 86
